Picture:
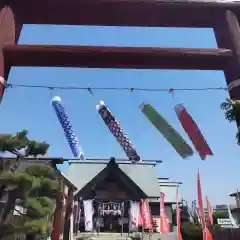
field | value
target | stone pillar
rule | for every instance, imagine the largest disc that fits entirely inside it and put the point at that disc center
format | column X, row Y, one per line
column 10, row 29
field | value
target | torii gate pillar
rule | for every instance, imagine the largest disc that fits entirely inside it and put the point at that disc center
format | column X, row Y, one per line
column 227, row 32
column 10, row 30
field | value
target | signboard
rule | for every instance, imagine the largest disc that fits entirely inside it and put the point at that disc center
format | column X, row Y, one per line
column 225, row 222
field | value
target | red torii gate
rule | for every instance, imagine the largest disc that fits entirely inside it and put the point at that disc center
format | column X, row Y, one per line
column 221, row 16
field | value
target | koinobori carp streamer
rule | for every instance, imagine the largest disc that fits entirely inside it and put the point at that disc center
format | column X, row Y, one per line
column 193, row 131
column 170, row 134
column 117, row 131
column 67, row 127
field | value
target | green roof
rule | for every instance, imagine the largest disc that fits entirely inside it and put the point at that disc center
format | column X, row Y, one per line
column 144, row 175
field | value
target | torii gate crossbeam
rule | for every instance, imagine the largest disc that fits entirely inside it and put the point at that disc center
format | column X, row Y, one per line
column 222, row 16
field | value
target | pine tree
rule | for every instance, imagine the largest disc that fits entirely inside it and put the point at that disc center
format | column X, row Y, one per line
column 231, row 110
column 35, row 188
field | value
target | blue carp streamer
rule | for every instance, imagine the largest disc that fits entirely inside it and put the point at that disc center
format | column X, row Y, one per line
column 117, row 131
column 67, row 127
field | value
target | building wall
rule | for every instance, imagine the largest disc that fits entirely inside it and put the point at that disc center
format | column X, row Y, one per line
column 111, row 191
column 237, row 199
column 236, row 216
column 170, row 189
column 155, row 211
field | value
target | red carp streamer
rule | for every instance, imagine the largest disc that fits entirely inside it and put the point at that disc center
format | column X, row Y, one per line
column 194, row 133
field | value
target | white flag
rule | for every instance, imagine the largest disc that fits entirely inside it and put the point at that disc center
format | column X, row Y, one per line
column 88, row 215
column 134, row 216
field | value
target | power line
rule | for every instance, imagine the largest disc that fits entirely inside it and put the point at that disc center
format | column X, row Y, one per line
column 131, row 89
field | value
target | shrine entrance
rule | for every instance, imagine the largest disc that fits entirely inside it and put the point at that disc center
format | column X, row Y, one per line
column 111, row 205
column 111, row 224
column 111, row 217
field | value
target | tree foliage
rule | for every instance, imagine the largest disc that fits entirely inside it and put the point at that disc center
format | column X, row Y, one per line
column 185, row 214
column 36, row 187
column 20, row 145
column 231, row 110
column 191, row 231
column 219, row 214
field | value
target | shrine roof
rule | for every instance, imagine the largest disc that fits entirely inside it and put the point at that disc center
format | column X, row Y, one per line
column 105, row 161
column 143, row 174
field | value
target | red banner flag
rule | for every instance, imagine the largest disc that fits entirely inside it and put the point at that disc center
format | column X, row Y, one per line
column 207, row 235
column 209, row 209
column 164, row 226
column 140, row 220
column 200, row 201
column 179, row 234
column 146, row 216
column 162, row 207
column 194, row 133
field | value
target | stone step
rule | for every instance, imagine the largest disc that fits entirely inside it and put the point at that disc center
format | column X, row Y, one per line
column 125, row 236
column 102, row 236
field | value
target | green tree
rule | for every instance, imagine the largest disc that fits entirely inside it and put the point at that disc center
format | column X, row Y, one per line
column 35, row 188
column 191, row 231
column 185, row 215
column 219, row 214
column 185, row 212
column 231, row 110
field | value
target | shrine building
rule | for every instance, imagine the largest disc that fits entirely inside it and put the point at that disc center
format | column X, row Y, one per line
column 112, row 185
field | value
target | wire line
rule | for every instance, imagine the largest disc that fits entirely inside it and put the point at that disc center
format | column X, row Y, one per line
column 131, row 89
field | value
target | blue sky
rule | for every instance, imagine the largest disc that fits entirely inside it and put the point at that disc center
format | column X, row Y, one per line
column 31, row 108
